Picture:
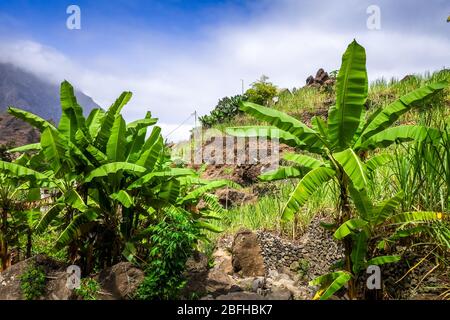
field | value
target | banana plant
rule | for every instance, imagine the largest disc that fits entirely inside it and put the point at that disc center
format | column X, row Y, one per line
column 338, row 148
column 110, row 179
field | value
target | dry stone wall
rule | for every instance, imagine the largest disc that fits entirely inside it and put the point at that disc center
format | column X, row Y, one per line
column 314, row 254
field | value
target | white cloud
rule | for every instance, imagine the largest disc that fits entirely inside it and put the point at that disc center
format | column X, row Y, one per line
column 179, row 79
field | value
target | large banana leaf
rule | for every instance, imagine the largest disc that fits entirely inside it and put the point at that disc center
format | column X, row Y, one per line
column 378, row 161
column 116, row 146
column 170, row 191
column 124, row 198
column 266, row 132
column 151, row 150
column 73, row 199
column 48, row 217
column 142, row 123
column 148, row 178
column 211, row 186
column 20, row 171
column 309, row 184
column 112, row 168
column 353, row 167
column 283, row 122
column 94, row 122
column 281, row 173
column 330, row 283
column 401, row 134
column 382, row 211
column 349, row 227
column 53, row 148
column 31, row 118
column 383, row 260
column 386, row 117
column 79, row 226
column 359, row 252
column 351, row 93
column 108, row 120
column 303, row 160
column 27, row 147
column 319, row 125
column 72, row 118
column 418, row 216
column 362, row 202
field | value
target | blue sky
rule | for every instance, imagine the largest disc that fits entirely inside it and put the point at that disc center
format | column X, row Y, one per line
column 180, row 56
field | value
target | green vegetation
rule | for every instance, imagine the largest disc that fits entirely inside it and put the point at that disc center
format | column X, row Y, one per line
column 32, row 282
column 341, row 147
column 372, row 158
column 88, row 290
column 109, row 187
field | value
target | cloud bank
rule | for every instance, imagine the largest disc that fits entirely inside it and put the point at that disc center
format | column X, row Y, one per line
column 287, row 42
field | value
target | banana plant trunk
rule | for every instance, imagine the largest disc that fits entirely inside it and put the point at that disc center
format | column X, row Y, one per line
column 345, row 215
column 4, row 255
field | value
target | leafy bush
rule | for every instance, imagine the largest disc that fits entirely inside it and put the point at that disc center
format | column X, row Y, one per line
column 172, row 242
column 261, row 92
column 32, row 282
column 88, row 289
column 226, row 109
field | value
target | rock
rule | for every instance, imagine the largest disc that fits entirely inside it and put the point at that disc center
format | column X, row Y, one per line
column 294, row 266
column 310, row 80
column 232, row 197
column 240, row 296
column 246, row 254
column 120, row 281
column 197, row 263
column 258, row 283
column 278, row 293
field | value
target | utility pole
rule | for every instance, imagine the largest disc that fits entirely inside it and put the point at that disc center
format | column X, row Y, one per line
column 242, row 83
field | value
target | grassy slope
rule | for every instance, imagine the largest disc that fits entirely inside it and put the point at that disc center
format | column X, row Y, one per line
column 306, row 102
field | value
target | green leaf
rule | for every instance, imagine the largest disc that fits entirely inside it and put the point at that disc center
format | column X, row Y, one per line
column 108, row 120
column 303, row 160
column 208, row 226
column 281, row 173
column 351, row 95
column 353, row 167
column 115, row 148
column 362, row 202
column 31, row 118
column 211, row 186
column 28, row 147
column 359, row 251
column 112, row 168
column 383, row 260
column 48, row 217
column 81, row 224
column 146, row 179
column 386, row 117
column 20, row 171
column 378, row 161
column 309, row 184
column 348, row 227
column 72, row 118
column 382, row 211
column 283, row 122
column 330, row 283
column 265, row 132
column 94, row 121
column 319, row 125
column 54, row 149
column 124, row 198
column 73, row 199
column 418, row 216
column 401, row 134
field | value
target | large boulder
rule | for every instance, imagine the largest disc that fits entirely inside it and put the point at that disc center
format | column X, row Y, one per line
column 56, row 279
column 247, row 256
column 119, row 282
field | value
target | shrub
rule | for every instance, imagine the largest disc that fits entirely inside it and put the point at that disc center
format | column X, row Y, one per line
column 226, row 109
column 261, row 92
column 88, row 289
column 172, row 243
column 32, row 282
